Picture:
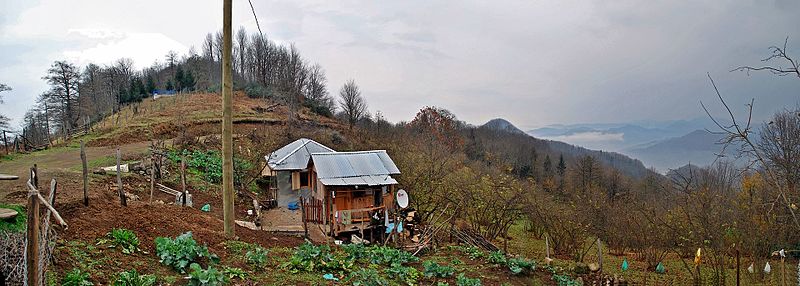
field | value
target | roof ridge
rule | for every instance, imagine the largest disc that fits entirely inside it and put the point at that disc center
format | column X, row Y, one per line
column 348, row 152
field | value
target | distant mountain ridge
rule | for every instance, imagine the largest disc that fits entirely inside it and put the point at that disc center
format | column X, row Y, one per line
column 627, row 165
column 660, row 144
column 697, row 147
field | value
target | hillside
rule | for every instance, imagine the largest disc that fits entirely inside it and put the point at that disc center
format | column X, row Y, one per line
column 192, row 121
column 629, row 166
column 502, row 124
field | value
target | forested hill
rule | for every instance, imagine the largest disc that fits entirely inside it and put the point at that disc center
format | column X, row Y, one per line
column 537, row 151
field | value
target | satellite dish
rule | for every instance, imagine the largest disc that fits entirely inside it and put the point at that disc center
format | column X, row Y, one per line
column 402, row 199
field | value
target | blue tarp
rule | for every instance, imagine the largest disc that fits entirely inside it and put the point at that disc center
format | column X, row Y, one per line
column 293, row 206
column 164, row 91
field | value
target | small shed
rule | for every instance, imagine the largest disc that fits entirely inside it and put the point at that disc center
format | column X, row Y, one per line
column 289, row 169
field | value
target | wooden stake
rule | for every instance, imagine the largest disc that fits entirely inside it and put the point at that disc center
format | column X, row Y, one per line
column 183, row 179
column 600, row 254
column 737, row 266
column 227, row 121
column 85, row 176
column 32, row 245
column 152, row 173
column 122, row 199
column 547, row 246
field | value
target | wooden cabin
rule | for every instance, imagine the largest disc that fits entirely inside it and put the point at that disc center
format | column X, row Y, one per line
column 353, row 187
column 341, row 191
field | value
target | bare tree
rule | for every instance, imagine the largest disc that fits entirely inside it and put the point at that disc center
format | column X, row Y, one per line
column 352, row 103
column 241, row 51
column 3, row 119
column 778, row 53
column 63, row 78
column 172, row 58
column 738, row 134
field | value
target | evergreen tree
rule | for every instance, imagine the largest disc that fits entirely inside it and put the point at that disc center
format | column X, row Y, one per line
column 547, row 167
column 188, row 80
column 169, row 85
column 562, row 167
column 179, row 78
column 151, row 84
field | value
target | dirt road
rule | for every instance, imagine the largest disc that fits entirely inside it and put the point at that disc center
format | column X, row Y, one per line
column 64, row 163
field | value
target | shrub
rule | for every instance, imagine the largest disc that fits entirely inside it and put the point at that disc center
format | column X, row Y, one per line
column 462, row 280
column 433, row 269
column 206, row 277
column 133, row 278
column 76, row 278
column 182, row 251
column 123, row 239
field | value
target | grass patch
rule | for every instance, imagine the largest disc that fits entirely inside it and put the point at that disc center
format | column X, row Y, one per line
column 17, row 224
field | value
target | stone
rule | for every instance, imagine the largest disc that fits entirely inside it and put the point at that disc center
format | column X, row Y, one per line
column 8, row 213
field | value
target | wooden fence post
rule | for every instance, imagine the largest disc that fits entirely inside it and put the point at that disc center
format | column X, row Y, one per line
column 183, row 179
column 85, row 175
column 32, row 246
column 600, row 254
column 152, row 174
column 122, row 199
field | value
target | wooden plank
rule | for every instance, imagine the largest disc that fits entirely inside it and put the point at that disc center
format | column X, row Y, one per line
column 8, row 213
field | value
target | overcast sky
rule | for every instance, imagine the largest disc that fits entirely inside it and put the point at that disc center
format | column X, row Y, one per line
column 534, row 63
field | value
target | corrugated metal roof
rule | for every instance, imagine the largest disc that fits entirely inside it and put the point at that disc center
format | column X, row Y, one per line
column 355, row 168
column 295, row 155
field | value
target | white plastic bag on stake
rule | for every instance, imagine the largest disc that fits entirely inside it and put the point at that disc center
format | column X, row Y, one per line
column 767, row 268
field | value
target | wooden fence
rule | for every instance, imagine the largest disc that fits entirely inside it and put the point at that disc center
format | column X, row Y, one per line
column 312, row 210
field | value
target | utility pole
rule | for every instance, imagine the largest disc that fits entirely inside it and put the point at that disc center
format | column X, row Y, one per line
column 227, row 120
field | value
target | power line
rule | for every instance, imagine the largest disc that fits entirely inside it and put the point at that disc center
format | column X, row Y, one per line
column 256, row 17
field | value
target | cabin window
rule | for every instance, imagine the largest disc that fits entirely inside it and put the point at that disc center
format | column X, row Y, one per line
column 304, row 179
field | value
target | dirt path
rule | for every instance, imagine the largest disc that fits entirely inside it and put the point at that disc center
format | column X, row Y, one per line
column 61, row 162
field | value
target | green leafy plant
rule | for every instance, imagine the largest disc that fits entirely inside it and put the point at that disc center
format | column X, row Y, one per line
column 433, row 269
column 206, row 277
column 519, row 265
column 258, row 257
column 76, row 277
column 133, row 278
column 405, row 274
column 181, row 251
column 308, row 257
column 462, row 280
column 497, row 257
column 389, row 256
column 367, row 277
column 473, row 252
column 123, row 239
column 234, row 273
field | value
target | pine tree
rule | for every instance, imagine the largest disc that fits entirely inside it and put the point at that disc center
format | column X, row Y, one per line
column 547, row 167
column 151, row 84
column 188, row 80
column 169, row 85
column 179, row 78
column 562, row 167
